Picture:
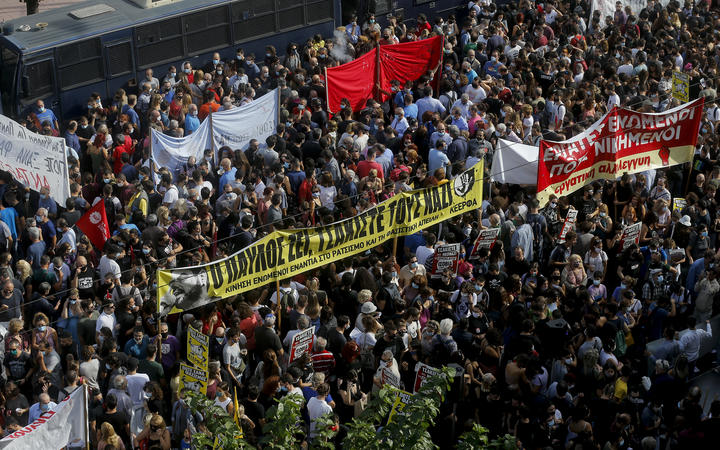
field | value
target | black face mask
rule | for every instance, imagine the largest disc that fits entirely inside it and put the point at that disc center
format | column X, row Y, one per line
column 164, row 335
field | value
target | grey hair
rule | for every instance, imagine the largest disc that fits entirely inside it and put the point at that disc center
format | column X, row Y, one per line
column 303, row 322
column 34, row 233
column 120, row 383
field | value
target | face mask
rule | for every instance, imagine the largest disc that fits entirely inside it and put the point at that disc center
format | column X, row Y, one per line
column 107, row 366
column 220, row 340
column 415, row 285
column 413, row 265
column 42, row 328
column 42, row 109
column 301, row 107
column 660, row 279
column 139, row 341
column 440, row 132
column 316, row 194
column 146, row 251
column 216, row 62
column 268, row 55
column 106, row 180
column 72, row 302
column 148, row 395
column 553, row 205
column 14, row 352
column 173, row 74
column 45, row 406
column 596, row 282
column 394, row 275
column 187, row 70
column 476, row 314
column 219, row 72
column 83, row 126
column 164, row 335
column 704, row 234
column 371, row 20
column 38, row 218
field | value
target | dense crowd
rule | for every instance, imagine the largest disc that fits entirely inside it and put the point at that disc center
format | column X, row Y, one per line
column 563, row 344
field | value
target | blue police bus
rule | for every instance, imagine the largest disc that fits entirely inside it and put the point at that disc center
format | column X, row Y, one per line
column 63, row 55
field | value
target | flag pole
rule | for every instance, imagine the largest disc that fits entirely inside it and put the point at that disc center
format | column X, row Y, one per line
column 87, row 418
column 279, row 304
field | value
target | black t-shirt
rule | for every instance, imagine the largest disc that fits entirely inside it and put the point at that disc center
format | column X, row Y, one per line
column 335, row 342
column 126, row 320
column 255, row 411
column 152, row 369
column 266, row 338
column 85, row 283
column 17, row 368
column 119, row 421
column 86, row 331
column 18, row 402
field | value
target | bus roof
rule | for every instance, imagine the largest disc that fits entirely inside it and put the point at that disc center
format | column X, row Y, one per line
column 63, row 27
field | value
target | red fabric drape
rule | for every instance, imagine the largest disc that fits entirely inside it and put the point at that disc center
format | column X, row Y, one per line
column 409, row 61
column 354, row 80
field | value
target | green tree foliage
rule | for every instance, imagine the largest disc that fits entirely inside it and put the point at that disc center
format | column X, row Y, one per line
column 218, row 424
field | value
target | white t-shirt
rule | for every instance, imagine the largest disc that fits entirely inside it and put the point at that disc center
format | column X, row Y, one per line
column 422, row 254
column 135, row 387
column 106, row 320
column 171, row 195
column 316, row 408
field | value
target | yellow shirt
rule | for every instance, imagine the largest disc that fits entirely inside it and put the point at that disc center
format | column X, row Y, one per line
column 620, row 389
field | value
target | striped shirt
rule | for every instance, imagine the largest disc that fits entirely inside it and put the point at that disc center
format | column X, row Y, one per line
column 323, row 362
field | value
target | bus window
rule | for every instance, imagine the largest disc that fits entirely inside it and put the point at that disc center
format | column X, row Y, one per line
column 8, row 79
column 39, row 80
column 159, row 42
column 290, row 15
column 321, row 10
column 80, row 63
column 207, row 30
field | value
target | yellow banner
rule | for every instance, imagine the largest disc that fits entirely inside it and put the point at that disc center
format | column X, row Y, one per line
column 198, row 345
column 681, row 86
column 193, row 379
column 402, row 398
column 286, row 253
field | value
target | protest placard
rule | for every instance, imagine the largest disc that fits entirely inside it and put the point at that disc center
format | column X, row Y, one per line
column 446, row 257
column 198, row 345
column 302, row 343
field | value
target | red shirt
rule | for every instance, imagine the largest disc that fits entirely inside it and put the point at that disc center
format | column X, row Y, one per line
column 323, row 362
column 305, row 191
column 364, row 167
column 206, row 109
column 117, row 157
column 423, row 26
column 247, row 326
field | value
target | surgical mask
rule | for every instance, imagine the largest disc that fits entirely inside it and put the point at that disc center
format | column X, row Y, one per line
column 173, row 74
column 413, row 265
column 38, row 218
column 42, row 109
column 43, row 196
column 596, row 282
column 660, row 279
column 72, row 302
column 42, row 328
column 107, row 367
column 415, row 285
column 45, row 406
column 553, row 205
column 14, row 352
column 106, row 180
column 268, row 55
column 704, row 234
column 146, row 251
column 316, row 194
column 139, row 340
column 371, row 20
column 187, row 70
column 219, row 71
column 476, row 314
column 623, row 286
column 478, row 287
column 394, row 275
column 216, row 61
column 83, row 126
column 148, row 395
column 220, row 340
column 301, row 107
column 440, row 132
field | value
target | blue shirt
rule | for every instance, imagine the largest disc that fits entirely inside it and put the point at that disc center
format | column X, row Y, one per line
column 136, row 350
column 49, row 204
column 411, row 111
column 132, row 115
column 46, row 115
column 48, row 231
column 415, row 240
column 226, row 178
column 436, row 160
column 192, row 123
column 72, row 141
column 35, row 252
column 8, row 215
column 130, row 172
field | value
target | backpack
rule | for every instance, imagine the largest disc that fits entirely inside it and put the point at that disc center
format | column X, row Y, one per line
column 284, row 303
column 620, row 344
column 535, row 222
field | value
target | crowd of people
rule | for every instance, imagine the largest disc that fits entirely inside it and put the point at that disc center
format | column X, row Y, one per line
column 574, row 343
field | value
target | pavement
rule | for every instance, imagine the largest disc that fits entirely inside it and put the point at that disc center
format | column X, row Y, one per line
column 12, row 9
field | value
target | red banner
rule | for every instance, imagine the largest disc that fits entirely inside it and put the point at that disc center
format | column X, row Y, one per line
column 409, row 61
column 623, row 141
column 95, row 225
column 354, row 80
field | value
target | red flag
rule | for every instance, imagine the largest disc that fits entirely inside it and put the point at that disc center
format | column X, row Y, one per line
column 409, row 61
column 354, row 80
column 95, row 225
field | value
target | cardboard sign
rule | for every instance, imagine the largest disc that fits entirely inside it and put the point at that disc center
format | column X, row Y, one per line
column 193, row 379
column 387, row 376
column 446, row 257
column 631, row 235
column 402, row 398
column 302, row 343
column 569, row 224
column 486, row 239
column 423, row 373
column 198, row 345
column 681, row 86
column 679, row 204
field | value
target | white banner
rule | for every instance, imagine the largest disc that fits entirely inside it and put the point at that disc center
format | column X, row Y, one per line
column 34, row 160
column 514, row 163
column 65, row 425
column 256, row 120
column 173, row 153
column 234, row 128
